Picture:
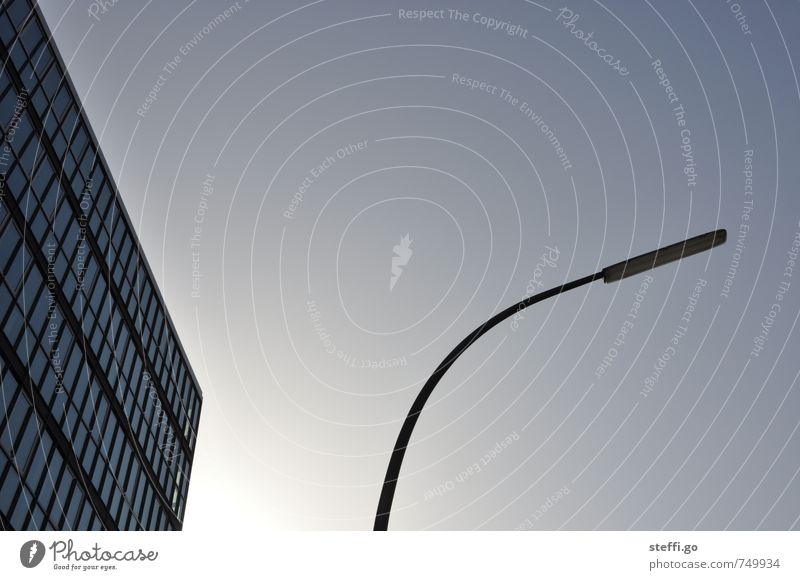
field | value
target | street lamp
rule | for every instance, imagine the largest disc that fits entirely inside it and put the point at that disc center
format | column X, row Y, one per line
column 609, row 274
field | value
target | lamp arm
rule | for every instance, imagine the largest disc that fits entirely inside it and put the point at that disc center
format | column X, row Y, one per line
column 396, row 461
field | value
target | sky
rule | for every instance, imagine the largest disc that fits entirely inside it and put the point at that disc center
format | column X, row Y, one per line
column 333, row 194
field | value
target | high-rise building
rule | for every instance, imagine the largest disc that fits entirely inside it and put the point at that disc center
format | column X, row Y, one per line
column 99, row 407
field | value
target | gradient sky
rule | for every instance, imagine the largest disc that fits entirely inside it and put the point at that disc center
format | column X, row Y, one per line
column 273, row 155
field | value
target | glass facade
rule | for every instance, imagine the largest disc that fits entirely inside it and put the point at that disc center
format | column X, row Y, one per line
column 99, row 407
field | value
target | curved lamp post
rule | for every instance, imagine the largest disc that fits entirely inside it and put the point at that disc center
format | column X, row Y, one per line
column 609, row 274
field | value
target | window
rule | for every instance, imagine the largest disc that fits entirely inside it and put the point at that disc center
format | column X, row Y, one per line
column 60, row 144
column 24, row 445
column 36, row 470
column 18, row 12
column 73, row 509
column 61, row 101
column 9, row 486
column 7, row 104
column 42, row 58
column 52, row 81
column 86, row 514
column 16, row 419
column 7, row 32
column 17, row 519
column 31, row 36
column 51, row 476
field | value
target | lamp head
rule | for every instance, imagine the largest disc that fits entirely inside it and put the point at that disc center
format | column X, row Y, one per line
column 664, row 255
